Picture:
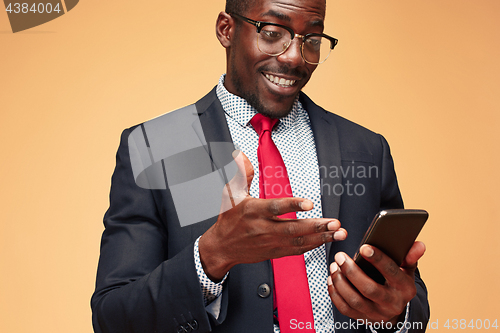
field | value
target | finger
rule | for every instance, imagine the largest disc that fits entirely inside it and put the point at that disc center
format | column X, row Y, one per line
column 300, row 244
column 400, row 281
column 281, row 206
column 416, row 252
column 305, row 227
column 385, row 300
column 384, row 264
column 340, row 303
column 348, row 300
column 239, row 186
column 245, row 172
column 299, row 236
column 340, row 234
column 361, row 282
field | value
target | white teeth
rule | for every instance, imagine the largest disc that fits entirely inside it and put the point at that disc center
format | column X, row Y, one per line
column 280, row 81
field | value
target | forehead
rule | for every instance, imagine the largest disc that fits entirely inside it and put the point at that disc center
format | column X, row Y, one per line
column 312, row 12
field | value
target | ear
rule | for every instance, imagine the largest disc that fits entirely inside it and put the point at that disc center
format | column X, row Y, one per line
column 224, row 29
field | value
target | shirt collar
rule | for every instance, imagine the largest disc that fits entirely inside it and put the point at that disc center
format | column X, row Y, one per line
column 240, row 111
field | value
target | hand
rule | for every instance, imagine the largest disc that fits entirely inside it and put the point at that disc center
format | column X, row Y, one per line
column 359, row 297
column 251, row 230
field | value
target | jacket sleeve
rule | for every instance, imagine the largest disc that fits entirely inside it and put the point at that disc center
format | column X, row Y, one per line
column 140, row 286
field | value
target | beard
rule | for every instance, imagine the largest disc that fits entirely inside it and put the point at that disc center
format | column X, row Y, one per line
column 255, row 101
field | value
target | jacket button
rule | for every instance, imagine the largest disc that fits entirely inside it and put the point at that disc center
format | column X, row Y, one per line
column 264, row 290
column 193, row 325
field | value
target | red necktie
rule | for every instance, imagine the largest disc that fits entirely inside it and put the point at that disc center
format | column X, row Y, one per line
column 291, row 289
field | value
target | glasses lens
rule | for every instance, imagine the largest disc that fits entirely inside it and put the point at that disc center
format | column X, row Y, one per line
column 273, row 40
column 316, row 49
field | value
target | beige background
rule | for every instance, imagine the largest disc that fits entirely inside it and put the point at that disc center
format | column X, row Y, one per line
column 424, row 73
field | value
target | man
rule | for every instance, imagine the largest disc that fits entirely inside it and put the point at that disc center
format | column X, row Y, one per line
column 159, row 273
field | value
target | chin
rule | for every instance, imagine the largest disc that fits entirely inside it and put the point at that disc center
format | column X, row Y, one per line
column 275, row 113
column 279, row 110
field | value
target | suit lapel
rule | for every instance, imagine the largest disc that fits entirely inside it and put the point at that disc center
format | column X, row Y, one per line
column 212, row 119
column 213, row 132
column 328, row 150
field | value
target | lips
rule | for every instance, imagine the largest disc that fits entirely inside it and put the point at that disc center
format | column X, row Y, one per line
column 280, row 81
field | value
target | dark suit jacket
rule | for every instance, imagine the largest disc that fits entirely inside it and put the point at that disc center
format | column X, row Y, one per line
column 146, row 279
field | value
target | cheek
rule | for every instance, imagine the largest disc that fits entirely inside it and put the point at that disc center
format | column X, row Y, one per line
column 311, row 69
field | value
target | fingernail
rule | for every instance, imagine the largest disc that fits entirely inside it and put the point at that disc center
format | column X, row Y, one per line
column 235, row 153
column 333, row 267
column 329, row 280
column 366, row 251
column 339, row 235
column 333, row 225
column 340, row 258
column 306, row 205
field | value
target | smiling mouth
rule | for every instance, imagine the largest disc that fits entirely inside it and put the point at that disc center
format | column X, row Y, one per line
column 280, row 81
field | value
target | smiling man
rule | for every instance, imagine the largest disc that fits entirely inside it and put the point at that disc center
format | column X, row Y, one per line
column 268, row 84
column 275, row 257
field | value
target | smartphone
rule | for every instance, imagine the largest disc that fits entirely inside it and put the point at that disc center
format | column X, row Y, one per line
column 393, row 231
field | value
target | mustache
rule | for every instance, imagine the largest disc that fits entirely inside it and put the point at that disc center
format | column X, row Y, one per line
column 285, row 70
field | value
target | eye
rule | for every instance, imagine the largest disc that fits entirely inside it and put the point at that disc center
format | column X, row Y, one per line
column 271, row 34
column 313, row 43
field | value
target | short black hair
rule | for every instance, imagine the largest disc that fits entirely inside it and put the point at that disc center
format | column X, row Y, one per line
column 239, row 6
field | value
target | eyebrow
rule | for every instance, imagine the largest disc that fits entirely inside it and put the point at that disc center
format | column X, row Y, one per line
column 278, row 15
column 286, row 18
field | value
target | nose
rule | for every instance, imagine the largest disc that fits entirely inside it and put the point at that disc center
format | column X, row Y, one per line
column 293, row 55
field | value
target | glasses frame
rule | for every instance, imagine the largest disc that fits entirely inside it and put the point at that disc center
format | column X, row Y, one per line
column 260, row 24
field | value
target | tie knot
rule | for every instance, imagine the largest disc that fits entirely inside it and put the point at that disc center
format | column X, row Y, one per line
column 262, row 123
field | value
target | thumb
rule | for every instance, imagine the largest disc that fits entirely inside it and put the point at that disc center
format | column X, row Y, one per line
column 416, row 252
column 236, row 190
column 243, row 179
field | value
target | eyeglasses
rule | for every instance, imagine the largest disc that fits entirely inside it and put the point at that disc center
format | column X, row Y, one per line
column 274, row 39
